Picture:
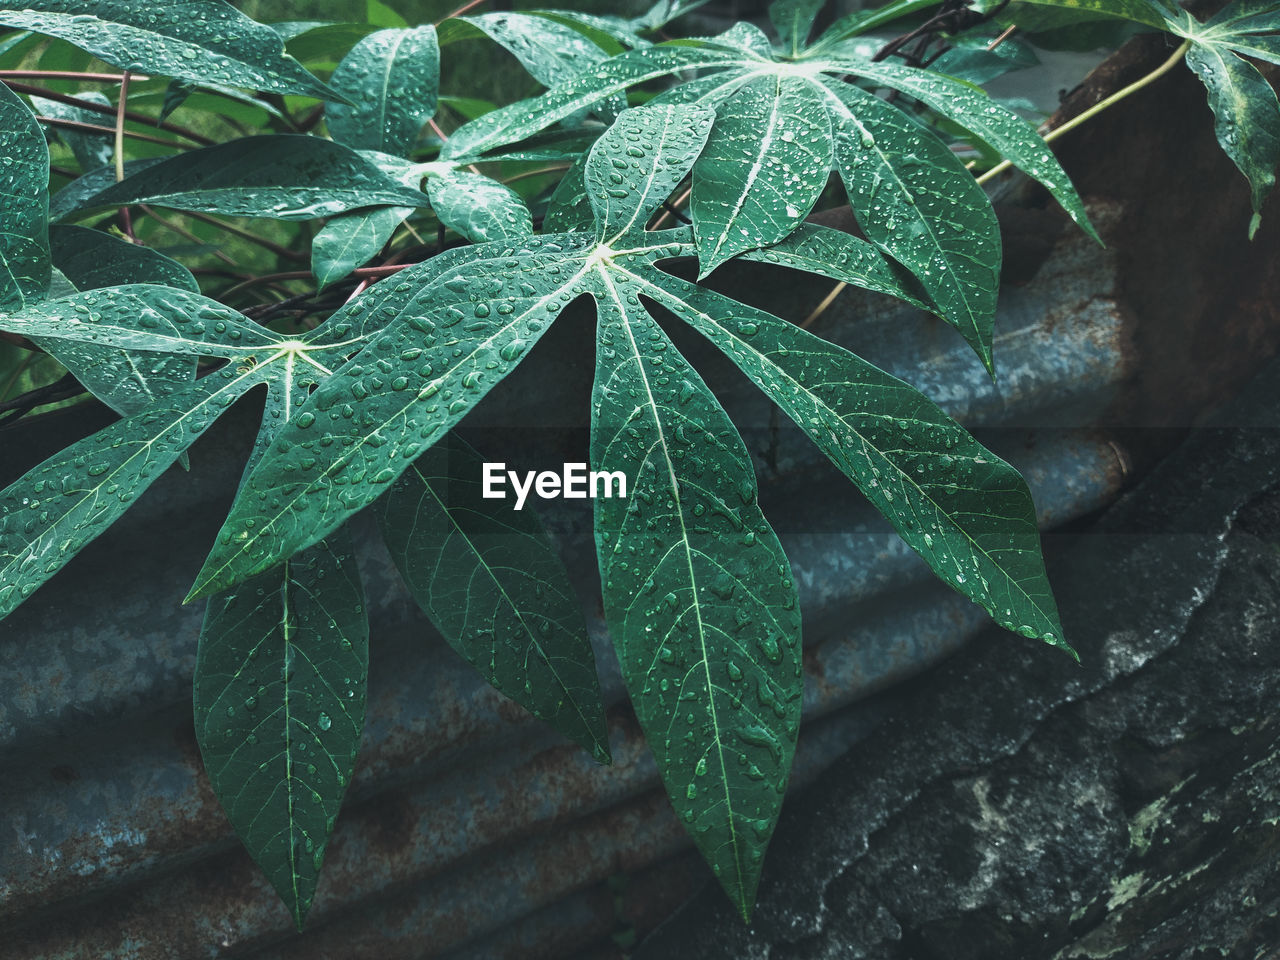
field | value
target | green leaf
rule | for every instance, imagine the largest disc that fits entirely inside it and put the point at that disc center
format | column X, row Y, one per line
column 764, row 167
column 453, row 327
column 963, row 509
column 91, row 150
column 840, row 256
column 1001, row 129
column 143, row 317
column 279, row 709
column 478, row 208
column 76, row 195
column 206, row 41
column 284, row 177
column 862, row 21
column 492, row 584
column 698, row 594
column 56, row 509
column 24, row 186
column 517, row 121
column 915, row 200
column 552, row 52
column 568, row 208
column 647, row 153
column 352, row 240
column 391, row 79
column 793, row 19
column 126, row 380
column 1246, row 117
column 1141, row 11
column 92, row 259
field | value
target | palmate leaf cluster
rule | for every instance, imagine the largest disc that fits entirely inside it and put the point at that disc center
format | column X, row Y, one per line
column 360, row 410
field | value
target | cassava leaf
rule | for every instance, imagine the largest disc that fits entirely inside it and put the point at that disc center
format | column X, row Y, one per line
column 280, row 176
column 843, row 257
column 963, row 509
column 391, row 79
column 568, row 209
column 1004, row 131
column 763, row 169
column 648, row 153
column 862, row 21
column 478, row 208
column 126, row 380
column 518, row 121
column 1146, row 12
column 76, row 195
column 1246, row 117
column 550, row 51
column 92, row 259
column 914, row 199
column 793, row 19
column 697, row 591
column 206, row 41
column 57, row 508
column 279, row 709
column 24, row 214
column 698, row 594
column 351, row 240
column 492, row 584
column 455, row 326
column 91, row 150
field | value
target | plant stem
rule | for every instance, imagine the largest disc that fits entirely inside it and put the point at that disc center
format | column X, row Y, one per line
column 1003, row 37
column 460, row 11
column 94, row 128
column 821, row 308
column 184, row 233
column 67, row 98
column 263, row 242
column 1101, row 105
column 121, row 109
column 65, row 75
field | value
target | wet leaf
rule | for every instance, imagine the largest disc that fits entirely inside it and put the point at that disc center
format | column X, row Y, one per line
column 914, row 199
column 24, row 184
column 279, row 709
column 205, row 41
column 351, row 240
column 793, row 19
column 763, row 169
column 478, row 208
column 391, row 78
column 91, row 150
column 963, row 509
column 92, row 259
column 491, row 582
column 550, row 51
column 698, row 594
column 283, row 177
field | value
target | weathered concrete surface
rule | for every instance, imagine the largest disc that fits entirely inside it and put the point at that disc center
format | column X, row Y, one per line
column 1015, row 805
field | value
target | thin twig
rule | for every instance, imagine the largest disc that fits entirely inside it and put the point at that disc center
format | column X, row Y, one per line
column 1101, row 105
column 120, row 112
column 382, row 271
column 110, row 131
column 821, row 308
column 185, row 233
column 65, row 75
column 460, row 11
column 533, row 173
column 657, row 224
column 34, row 91
column 1009, row 32
column 247, row 235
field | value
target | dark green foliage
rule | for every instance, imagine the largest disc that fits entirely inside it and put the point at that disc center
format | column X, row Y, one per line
column 466, row 246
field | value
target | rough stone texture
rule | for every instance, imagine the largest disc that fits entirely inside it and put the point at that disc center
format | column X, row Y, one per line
column 1015, row 805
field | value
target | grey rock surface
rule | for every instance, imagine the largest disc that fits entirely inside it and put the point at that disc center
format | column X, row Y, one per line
column 1016, row 805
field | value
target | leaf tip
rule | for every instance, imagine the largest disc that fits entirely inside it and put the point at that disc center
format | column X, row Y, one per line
column 1254, row 223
